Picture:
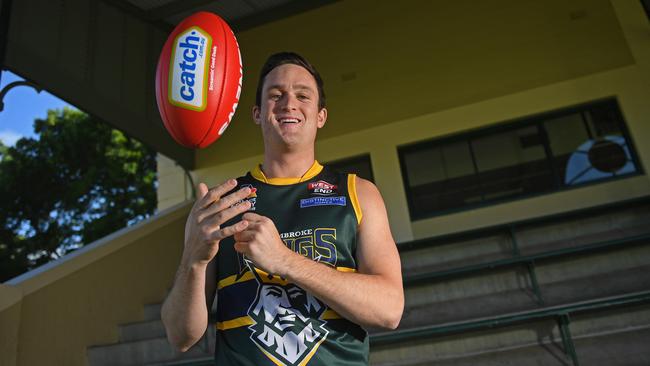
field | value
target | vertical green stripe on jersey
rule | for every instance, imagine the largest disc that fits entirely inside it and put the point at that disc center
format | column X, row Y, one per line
column 262, row 318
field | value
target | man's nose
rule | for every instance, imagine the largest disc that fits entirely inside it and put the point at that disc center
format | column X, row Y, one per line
column 288, row 103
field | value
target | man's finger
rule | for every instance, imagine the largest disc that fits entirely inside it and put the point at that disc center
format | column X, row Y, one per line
column 223, row 203
column 216, row 193
column 229, row 231
column 245, row 235
column 227, row 214
column 203, row 190
column 241, row 247
column 251, row 216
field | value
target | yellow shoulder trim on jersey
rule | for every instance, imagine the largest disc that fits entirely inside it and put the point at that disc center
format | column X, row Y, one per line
column 352, row 191
column 234, row 323
column 313, row 171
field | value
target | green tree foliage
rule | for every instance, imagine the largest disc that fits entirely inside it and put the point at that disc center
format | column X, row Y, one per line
column 80, row 181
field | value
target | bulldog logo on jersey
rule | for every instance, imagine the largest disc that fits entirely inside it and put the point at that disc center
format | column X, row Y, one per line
column 288, row 326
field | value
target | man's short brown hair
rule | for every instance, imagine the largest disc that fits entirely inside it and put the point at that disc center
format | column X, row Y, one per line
column 283, row 58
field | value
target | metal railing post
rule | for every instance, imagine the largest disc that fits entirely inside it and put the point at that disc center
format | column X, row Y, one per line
column 567, row 341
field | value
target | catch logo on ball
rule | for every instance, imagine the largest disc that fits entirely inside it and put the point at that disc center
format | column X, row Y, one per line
column 198, row 80
column 189, row 68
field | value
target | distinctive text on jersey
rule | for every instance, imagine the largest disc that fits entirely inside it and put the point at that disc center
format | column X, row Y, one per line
column 322, row 201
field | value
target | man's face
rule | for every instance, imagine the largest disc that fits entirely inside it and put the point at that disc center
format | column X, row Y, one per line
column 288, row 111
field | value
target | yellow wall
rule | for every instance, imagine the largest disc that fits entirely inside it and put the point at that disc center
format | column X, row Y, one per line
column 482, row 66
column 173, row 185
column 384, row 63
column 51, row 315
column 9, row 323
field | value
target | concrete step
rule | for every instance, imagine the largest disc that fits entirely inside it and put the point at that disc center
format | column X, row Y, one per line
column 148, row 351
column 597, row 337
column 530, row 239
column 492, row 304
column 626, row 348
column 142, row 330
column 619, row 223
column 493, row 292
column 456, row 254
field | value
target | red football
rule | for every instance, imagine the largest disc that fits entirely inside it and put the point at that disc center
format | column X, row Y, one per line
column 198, row 79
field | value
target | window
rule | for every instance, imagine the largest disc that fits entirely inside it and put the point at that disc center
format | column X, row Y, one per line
column 534, row 156
column 359, row 165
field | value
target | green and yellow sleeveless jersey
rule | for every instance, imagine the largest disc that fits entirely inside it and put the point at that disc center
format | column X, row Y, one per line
column 263, row 319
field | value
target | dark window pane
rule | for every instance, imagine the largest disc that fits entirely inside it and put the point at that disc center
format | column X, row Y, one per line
column 441, row 177
column 565, row 134
column 512, row 163
column 359, row 165
column 604, row 120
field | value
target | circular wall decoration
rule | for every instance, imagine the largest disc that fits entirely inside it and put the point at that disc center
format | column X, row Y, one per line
column 605, row 157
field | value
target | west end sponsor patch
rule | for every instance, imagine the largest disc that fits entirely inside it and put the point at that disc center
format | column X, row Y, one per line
column 322, row 188
column 323, row 201
column 189, row 67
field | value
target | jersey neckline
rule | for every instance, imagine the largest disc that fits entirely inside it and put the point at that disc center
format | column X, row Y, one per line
column 313, row 171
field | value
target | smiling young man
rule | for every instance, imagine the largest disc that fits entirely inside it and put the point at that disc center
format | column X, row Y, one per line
column 301, row 258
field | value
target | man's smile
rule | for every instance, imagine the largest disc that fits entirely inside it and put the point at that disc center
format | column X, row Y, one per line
column 287, row 120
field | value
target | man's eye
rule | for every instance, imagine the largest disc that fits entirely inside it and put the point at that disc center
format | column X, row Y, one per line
column 274, row 96
column 303, row 97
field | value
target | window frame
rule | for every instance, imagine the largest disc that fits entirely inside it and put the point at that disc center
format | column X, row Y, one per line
column 509, row 125
column 355, row 158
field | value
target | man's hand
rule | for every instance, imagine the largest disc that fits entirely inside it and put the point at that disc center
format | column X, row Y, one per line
column 203, row 227
column 261, row 243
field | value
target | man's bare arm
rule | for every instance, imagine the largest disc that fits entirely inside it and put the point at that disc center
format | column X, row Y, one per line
column 185, row 311
column 372, row 297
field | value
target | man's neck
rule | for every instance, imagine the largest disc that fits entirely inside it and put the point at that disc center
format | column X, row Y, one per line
column 287, row 165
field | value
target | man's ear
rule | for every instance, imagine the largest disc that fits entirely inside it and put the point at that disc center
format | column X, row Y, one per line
column 322, row 117
column 256, row 115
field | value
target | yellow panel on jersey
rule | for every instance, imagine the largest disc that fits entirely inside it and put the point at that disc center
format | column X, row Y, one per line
column 352, row 189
